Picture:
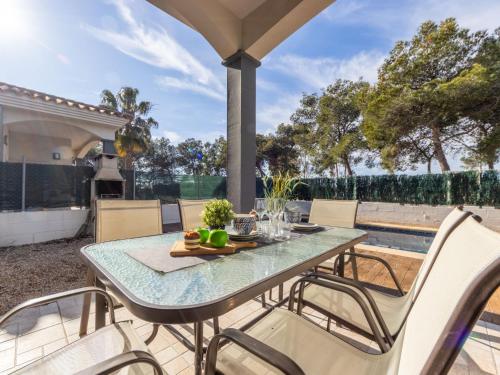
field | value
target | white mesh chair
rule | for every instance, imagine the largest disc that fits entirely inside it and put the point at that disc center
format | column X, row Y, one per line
column 190, row 213
column 335, row 213
column 114, row 349
column 463, row 277
column 390, row 311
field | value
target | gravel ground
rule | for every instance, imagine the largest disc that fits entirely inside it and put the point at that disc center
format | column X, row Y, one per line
column 36, row 270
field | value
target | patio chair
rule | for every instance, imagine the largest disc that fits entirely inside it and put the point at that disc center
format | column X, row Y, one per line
column 336, row 213
column 190, row 211
column 118, row 219
column 462, row 279
column 390, row 311
column 108, row 350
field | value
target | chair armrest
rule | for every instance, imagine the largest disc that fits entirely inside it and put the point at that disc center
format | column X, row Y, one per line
column 332, row 283
column 378, row 259
column 54, row 297
column 119, row 361
column 253, row 346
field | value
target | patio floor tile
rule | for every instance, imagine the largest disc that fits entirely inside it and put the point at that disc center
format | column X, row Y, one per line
column 46, row 329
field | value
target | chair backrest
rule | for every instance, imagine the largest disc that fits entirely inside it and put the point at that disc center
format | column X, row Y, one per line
column 463, row 277
column 118, row 219
column 190, row 212
column 449, row 224
column 334, row 213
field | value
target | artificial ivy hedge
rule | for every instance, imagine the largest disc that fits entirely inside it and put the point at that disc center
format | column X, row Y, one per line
column 473, row 188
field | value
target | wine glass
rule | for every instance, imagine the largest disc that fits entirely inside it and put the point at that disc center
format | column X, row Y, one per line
column 260, row 210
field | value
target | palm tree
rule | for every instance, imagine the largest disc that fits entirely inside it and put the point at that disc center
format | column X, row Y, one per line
column 134, row 138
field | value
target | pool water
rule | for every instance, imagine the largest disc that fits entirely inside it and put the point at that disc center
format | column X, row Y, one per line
column 400, row 239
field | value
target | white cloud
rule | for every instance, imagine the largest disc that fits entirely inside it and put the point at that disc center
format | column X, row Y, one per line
column 400, row 20
column 187, row 84
column 156, row 47
column 271, row 115
column 264, row 84
column 210, row 136
column 318, row 72
column 174, row 137
column 341, row 10
column 475, row 15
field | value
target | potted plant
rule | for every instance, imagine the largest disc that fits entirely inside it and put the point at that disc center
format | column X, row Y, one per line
column 217, row 213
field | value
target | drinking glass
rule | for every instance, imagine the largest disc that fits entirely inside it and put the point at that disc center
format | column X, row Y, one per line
column 285, row 228
column 260, row 209
column 278, row 208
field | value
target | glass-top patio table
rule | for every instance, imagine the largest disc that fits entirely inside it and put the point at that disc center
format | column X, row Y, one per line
column 210, row 289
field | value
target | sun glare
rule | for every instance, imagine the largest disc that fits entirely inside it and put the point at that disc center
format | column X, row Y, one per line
column 14, row 23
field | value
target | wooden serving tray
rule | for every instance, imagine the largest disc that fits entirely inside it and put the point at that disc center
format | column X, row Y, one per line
column 179, row 250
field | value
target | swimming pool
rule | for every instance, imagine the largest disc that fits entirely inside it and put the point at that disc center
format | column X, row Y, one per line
column 400, row 239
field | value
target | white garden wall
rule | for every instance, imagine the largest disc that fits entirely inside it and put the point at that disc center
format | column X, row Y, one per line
column 19, row 228
column 422, row 215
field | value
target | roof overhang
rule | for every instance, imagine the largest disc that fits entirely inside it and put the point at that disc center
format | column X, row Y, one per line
column 252, row 26
column 35, row 101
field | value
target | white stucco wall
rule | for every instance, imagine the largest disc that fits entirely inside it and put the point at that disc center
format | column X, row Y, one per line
column 19, row 228
column 39, row 148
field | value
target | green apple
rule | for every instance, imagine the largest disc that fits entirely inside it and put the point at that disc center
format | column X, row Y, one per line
column 218, row 238
column 204, row 234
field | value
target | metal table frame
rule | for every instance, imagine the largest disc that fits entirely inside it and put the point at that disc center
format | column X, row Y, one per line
column 197, row 314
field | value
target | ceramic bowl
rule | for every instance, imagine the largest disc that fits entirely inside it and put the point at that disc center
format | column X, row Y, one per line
column 293, row 216
column 244, row 224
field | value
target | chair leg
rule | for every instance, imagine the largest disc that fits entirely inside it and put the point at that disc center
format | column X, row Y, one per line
column 354, row 265
column 151, row 337
column 263, row 299
column 216, row 325
column 100, row 307
column 87, row 300
column 341, row 266
column 280, row 292
column 328, row 323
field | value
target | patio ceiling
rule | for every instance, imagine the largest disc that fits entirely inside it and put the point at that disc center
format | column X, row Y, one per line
column 253, row 26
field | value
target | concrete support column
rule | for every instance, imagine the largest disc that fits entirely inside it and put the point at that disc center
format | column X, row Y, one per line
column 241, row 118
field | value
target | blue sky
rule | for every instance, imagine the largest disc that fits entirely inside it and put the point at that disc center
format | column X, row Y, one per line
column 77, row 48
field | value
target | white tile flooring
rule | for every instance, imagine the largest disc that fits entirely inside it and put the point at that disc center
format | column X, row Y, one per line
column 37, row 332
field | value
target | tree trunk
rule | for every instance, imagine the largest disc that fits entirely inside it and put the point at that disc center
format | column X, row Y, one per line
column 438, row 149
column 429, row 166
column 491, row 165
column 347, row 167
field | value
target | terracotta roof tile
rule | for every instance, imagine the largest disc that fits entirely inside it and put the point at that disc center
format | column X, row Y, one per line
column 21, row 91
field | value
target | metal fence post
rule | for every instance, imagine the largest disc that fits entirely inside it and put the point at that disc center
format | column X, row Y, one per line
column 23, row 186
column 133, row 183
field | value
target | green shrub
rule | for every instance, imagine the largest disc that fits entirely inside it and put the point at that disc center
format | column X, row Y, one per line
column 217, row 213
